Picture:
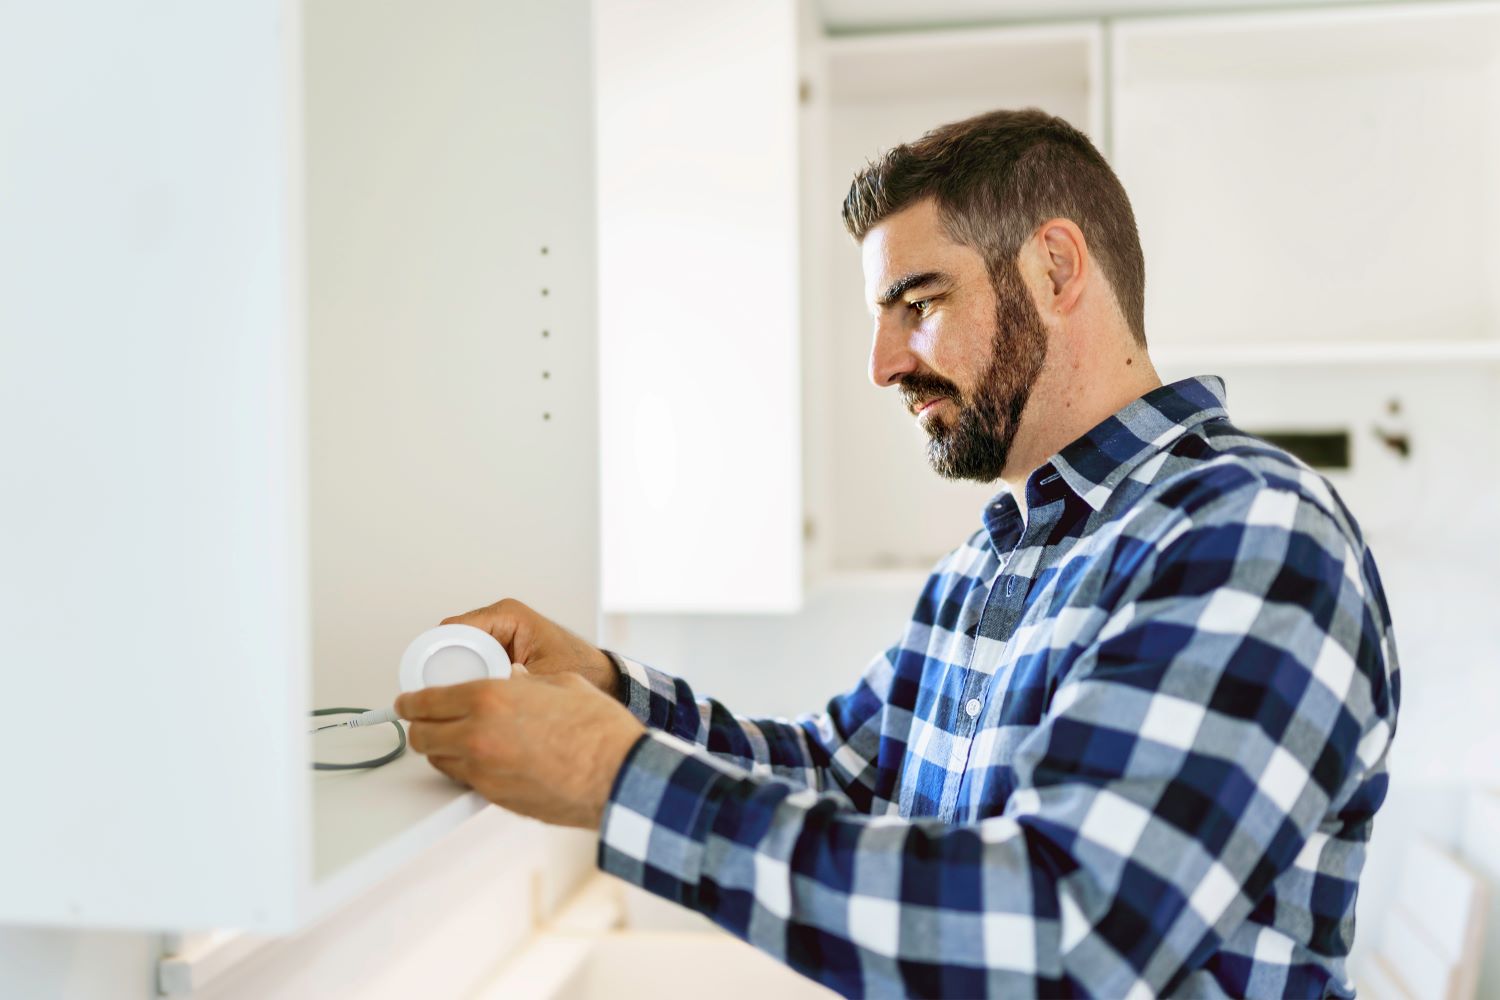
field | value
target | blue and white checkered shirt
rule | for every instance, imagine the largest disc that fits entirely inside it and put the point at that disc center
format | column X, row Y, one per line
column 1131, row 745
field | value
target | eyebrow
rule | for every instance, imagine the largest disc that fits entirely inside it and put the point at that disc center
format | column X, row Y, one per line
column 906, row 283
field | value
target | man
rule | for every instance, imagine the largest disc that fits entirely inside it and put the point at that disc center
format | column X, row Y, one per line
column 1133, row 738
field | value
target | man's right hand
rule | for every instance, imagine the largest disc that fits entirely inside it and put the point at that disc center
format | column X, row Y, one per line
column 541, row 645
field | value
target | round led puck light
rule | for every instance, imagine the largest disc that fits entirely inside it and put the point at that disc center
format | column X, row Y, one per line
column 452, row 654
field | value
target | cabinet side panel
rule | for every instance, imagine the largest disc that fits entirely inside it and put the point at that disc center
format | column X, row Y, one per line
column 151, row 576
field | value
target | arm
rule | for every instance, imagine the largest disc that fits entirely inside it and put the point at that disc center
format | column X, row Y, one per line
column 829, row 751
column 1186, row 758
column 837, row 750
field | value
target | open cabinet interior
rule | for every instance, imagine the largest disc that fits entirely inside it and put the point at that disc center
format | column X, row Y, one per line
column 452, row 415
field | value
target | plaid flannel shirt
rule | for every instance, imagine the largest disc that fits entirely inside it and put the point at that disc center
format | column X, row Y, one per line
column 1131, row 745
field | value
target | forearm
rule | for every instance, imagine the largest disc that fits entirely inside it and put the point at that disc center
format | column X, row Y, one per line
column 778, row 747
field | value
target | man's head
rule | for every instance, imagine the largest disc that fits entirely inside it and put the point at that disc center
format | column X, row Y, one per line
column 986, row 243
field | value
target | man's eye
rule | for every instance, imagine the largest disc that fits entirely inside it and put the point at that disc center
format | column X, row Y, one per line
column 921, row 306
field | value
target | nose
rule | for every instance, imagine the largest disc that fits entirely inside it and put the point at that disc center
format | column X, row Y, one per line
column 891, row 356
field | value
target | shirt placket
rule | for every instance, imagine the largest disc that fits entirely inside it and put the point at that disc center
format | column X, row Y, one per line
column 1002, row 612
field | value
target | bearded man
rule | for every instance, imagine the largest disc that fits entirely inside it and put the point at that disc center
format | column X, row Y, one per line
column 1134, row 737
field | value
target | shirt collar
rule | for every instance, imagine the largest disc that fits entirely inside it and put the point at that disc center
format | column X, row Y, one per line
column 1094, row 464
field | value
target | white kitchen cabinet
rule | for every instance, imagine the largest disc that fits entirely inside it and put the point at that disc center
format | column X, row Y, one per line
column 297, row 356
column 698, row 299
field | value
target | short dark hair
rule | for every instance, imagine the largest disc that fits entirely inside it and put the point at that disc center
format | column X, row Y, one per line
column 997, row 177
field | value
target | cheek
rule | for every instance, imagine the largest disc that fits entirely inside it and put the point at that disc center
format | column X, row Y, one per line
column 962, row 348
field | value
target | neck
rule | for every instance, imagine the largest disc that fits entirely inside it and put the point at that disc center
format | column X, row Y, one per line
column 1073, row 394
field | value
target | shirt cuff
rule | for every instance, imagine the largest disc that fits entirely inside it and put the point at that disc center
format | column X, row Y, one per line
column 659, row 815
column 650, row 694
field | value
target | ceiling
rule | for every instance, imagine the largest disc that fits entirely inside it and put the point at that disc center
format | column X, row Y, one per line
column 850, row 16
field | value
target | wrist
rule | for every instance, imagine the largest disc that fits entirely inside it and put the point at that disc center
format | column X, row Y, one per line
column 606, row 674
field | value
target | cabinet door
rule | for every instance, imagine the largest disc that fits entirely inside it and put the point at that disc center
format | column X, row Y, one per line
column 152, row 565
column 699, row 307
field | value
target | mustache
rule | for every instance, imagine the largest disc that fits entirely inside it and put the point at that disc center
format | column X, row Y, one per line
column 920, row 388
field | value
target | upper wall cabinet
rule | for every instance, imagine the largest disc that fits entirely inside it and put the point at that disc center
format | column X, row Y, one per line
column 297, row 357
column 1316, row 180
column 698, row 297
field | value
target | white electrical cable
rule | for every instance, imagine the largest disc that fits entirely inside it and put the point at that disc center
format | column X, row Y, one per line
column 373, row 717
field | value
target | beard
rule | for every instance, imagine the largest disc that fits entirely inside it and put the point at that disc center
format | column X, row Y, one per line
column 976, row 445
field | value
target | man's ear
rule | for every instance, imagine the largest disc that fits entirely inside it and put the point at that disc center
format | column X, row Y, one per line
column 1065, row 262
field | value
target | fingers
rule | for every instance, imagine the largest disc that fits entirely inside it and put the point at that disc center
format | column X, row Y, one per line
column 436, row 704
column 501, row 620
column 453, row 767
column 439, row 739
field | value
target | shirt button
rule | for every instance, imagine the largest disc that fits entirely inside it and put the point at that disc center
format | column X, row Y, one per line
column 972, row 708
